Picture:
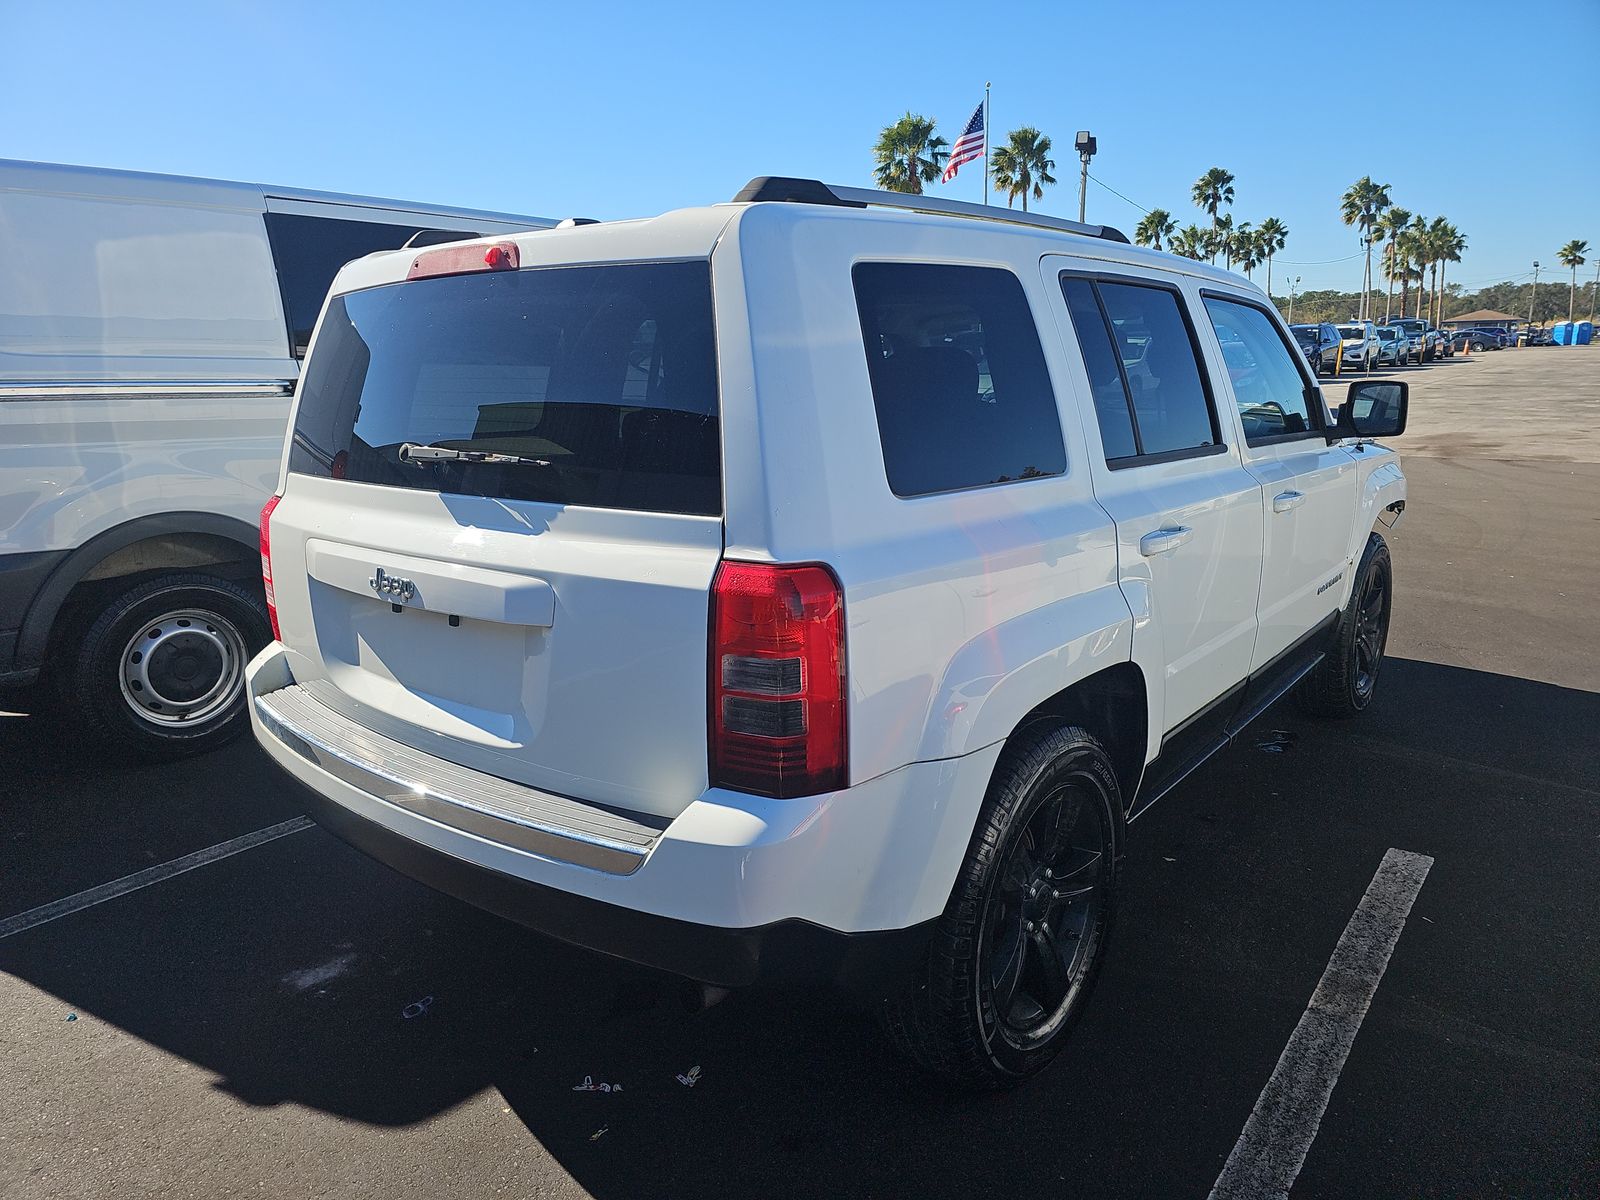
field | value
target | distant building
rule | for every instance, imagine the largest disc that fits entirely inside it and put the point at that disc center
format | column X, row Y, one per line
column 1484, row 318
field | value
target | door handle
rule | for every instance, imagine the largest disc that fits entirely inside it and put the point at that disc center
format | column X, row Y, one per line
column 1288, row 501
column 1161, row 541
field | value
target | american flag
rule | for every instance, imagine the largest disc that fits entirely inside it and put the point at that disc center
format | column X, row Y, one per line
column 968, row 146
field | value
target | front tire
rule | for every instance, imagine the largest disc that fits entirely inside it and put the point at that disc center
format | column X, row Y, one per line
column 1344, row 683
column 1019, row 946
column 161, row 671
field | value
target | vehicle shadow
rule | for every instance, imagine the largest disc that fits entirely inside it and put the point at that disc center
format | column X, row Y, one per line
column 302, row 972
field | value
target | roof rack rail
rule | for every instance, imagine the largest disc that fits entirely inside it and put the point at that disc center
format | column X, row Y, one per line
column 784, row 189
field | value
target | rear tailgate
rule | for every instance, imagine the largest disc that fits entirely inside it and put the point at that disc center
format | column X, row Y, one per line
column 544, row 620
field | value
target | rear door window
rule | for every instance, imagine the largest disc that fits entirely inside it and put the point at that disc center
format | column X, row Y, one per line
column 309, row 252
column 604, row 378
column 1138, row 347
column 959, row 382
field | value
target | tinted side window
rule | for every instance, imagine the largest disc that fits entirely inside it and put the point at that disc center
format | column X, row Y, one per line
column 1140, row 333
column 958, row 377
column 1271, row 392
column 309, row 252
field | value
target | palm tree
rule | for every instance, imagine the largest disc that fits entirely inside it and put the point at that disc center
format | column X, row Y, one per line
column 1221, row 240
column 909, row 154
column 1190, row 242
column 1022, row 165
column 1455, row 245
column 1389, row 226
column 1571, row 255
column 1211, row 191
column 1272, row 234
column 1363, row 200
column 1157, row 224
column 1242, row 248
column 1439, row 231
column 1417, row 231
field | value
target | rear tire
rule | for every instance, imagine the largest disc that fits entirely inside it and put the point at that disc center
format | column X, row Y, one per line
column 1018, row 949
column 160, row 673
column 1344, row 683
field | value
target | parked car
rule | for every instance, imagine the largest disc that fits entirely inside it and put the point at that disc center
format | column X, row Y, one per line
column 1359, row 345
column 686, row 697
column 1320, row 344
column 1533, row 335
column 1424, row 338
column 1479, row 340
column 1394, row 346
column 1441, row 344
column 151, row 330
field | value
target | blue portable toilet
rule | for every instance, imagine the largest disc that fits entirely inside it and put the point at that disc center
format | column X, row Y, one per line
column 1585, row 333
column 1561, row 333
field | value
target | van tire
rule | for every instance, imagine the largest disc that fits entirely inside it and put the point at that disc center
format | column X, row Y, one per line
column 945, row 1020
column 1346, row 680
column 213, row 628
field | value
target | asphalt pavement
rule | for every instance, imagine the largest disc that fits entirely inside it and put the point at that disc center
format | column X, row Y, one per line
column 297, row 1020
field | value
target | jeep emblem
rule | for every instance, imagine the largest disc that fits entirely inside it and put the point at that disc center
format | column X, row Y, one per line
column 391, row 585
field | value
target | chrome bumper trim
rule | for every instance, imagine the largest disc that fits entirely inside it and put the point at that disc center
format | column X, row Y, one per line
column 500, row 811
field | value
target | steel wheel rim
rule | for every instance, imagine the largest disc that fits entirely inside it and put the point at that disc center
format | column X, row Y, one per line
column 182, row 668
column 1042, row 923
column 1370, row 635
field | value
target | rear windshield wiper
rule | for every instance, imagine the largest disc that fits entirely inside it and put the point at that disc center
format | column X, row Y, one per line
column 411, row 452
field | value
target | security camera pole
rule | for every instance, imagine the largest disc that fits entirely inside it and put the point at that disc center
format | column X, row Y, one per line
column 1086, row 148
column 1534, row 294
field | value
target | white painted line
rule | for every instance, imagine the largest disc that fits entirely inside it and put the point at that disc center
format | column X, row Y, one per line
column 1273, row 1147
column 142, row 879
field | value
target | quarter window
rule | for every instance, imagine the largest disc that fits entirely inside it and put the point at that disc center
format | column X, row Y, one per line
column 958, row 376
column 1149, row 391
column 1273, row 396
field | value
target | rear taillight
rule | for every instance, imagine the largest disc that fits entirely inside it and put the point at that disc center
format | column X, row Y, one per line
column 266, row 563
column 777, row 719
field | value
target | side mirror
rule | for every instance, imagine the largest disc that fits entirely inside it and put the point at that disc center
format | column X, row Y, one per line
column 1373, row 409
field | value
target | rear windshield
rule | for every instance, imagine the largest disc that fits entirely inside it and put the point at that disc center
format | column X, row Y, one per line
column 603, row 377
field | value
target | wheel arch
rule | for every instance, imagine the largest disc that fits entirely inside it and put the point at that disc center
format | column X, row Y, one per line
column 1114, row 705
column 161, row 541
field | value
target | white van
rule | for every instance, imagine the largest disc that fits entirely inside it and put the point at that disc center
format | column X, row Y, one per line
column 805, row 587
column 151, row 332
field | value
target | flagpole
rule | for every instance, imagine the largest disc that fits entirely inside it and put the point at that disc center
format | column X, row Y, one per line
column 986, row 142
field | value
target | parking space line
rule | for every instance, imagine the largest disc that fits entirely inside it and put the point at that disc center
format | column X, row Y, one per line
column 141, row 879
column 1273, row 1147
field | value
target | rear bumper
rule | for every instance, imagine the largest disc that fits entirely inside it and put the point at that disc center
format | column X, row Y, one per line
column 839, row 889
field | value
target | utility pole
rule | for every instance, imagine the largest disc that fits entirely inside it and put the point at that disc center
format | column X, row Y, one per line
column 1086, row 150
column 1293, row 284
column 1593, row 288
column 1534, row 295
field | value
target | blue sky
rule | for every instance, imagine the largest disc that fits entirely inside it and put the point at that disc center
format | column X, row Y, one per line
column 619, row 109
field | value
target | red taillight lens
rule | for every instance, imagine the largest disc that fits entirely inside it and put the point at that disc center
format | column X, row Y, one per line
column 266, row 563
column 777, row 720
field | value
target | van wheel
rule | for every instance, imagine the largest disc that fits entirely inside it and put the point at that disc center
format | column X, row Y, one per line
column 161, row 671
column 1020, row 942
column 1344, row 682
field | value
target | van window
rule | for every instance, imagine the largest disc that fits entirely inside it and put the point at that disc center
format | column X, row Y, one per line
column 1272, row 394
column 309, row 252
column 958, row 377
column 1137, row 342
column 161, row 285
column 604, row 378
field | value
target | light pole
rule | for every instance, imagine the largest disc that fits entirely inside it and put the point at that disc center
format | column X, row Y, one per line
column 1534, row 295
column 1086, row 150
column 1293, row 285
column 1366, row 279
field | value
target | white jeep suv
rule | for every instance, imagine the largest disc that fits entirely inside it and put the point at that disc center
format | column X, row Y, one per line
column 801, row 588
